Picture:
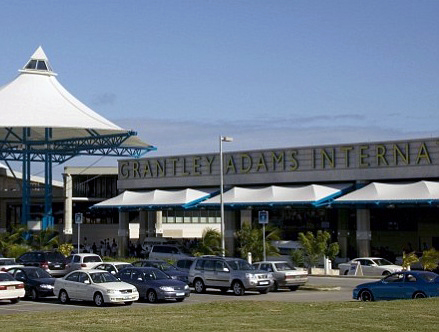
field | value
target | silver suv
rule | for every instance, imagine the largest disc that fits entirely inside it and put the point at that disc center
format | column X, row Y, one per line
column 227, row 273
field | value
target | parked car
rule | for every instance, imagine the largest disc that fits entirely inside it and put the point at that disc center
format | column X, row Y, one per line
column 7, row 263
column 226, row 273
column 370, row 266
column 399, row 285
column 167, row 252
column 10, row 289
column 37, row 282
column 169, row 269
column 52, row 261
column 98, row 286
column 112, row 267
column 284, row 274
column 184, row 264
column 82, row 261
column 154, row 285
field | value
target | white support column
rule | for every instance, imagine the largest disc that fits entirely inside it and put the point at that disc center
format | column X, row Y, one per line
column 68, row 208
column 363, row 233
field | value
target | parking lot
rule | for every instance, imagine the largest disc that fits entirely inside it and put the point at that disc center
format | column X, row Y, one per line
column 318, row 289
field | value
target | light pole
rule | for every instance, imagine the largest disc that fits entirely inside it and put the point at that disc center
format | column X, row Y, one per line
column 221, row 140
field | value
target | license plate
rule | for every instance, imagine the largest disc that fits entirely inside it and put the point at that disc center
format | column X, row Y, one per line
column 180, row 294
column 264, row 282
column 10, row 287
column 57, row 265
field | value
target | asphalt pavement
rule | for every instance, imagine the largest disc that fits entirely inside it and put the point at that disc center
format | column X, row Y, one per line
column 318, row 289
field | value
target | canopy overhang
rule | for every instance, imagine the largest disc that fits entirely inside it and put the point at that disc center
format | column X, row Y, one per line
column 156, row 199
column 299, row 195
column 377, row 194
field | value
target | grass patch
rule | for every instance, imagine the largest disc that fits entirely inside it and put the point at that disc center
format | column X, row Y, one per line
column 404, row 315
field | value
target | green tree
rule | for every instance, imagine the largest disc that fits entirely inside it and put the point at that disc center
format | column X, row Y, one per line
column 315, row 247
column 44, row 240
column 430, row 259
column 250, row 240
column 408, row 259
column 11, row 241
column 209, row 244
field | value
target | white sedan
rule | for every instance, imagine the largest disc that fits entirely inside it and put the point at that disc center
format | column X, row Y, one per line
column 10, row 289
column 98, row 286
column 370, row 266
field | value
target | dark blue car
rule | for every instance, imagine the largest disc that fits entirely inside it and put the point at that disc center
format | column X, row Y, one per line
column 153, row 284
column 37, row 282
column 169, row 269
column 399, row 285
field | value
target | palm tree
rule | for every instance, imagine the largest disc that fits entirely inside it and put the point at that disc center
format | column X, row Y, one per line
column 209, row 244
column 12, row 238
column 44, row 240
column 250, row 240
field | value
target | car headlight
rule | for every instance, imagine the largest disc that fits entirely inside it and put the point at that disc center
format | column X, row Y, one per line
column 174, row 277
column 186, row 287
column 167, row 288
column 45, row 286
column 250, row 276
column 111, row 291
column 270, row 275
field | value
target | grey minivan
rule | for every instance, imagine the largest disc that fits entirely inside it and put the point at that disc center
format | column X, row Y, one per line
column 226, row 273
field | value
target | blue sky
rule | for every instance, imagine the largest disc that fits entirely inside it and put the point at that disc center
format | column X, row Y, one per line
column 269, row 73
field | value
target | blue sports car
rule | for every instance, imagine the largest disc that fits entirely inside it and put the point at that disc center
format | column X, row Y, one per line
column 399, row 285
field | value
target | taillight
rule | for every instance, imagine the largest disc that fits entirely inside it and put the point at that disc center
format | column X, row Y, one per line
column 3, row 269
column 19, row 286
column 83, row 265
column 2, row 287
column 44, row 265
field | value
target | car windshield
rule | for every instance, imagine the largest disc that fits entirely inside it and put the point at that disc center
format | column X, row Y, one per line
column 92, row 259
column 38, row 274
column 7, row 262
column 240, row 264
column 155, row 275
column 121, row 266
column 6, row 277
column 382, row 261
column 102, row 277
column 429, row 276
column 284, row 266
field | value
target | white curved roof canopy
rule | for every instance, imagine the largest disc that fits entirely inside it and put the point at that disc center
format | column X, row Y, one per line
column 377, row 192
column 35, row 99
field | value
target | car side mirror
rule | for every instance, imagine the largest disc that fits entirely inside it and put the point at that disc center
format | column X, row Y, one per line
column 226, row 269
column 86, row 281
column 113, row 272
column 21, row 278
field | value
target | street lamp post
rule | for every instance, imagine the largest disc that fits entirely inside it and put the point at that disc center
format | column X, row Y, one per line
column 221, row 140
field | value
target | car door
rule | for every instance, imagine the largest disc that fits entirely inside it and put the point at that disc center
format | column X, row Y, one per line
column 84, row 287
column 70, row 284
column 222, row 274
column 392, row 287
column 137, row 279
column 366, row 267
column 209, row 272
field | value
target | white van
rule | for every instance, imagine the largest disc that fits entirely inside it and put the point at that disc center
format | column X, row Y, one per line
column 167, row 252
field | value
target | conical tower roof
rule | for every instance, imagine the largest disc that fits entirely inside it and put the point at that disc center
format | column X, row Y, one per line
column 36, row 100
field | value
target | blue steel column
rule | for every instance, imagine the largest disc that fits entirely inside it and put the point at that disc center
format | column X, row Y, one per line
column 48, row 195
column 25, row 205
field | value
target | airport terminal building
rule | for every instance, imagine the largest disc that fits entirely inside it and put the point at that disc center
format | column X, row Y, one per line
column 375, row 198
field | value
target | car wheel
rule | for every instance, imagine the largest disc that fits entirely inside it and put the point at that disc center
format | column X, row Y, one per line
column 34, row 294
column 13, row 301
column 293, row 288
column 419, row 295
column 386, row 273
column 264, row 291
column 151, row 296
column 366, row 296
column 63, row 297
column 199, row 286
column 129, row 303
column 180, row 299
column 238, row 289
column 99, row 300
column 275, row 286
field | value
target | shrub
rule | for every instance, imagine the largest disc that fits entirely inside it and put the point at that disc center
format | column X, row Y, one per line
column 408, row 259
column 430, row 259
column 66, row 249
